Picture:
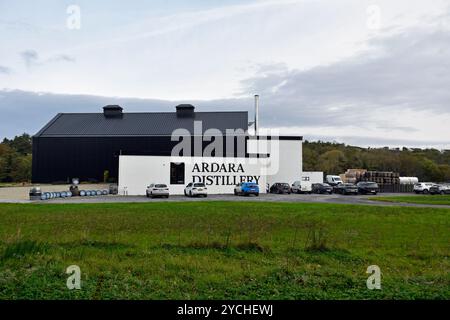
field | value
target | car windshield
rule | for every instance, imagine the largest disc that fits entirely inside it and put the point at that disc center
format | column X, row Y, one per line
column 199, row 185
column 160, row 186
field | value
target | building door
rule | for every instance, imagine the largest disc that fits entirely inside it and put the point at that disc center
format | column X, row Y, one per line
column 177, row 173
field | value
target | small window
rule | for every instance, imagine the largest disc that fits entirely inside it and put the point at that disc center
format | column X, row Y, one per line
column 177, row 173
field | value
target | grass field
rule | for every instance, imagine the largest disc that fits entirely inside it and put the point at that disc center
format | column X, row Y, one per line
column 223, row 250
column 423, row 199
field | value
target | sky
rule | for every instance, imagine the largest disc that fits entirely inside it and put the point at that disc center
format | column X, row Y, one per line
column 368, row 73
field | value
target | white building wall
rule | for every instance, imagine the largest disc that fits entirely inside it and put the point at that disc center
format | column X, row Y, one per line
column 286, row 158
column 137, row 172
column 283, row 165
column 290, row 161
column 312, row 176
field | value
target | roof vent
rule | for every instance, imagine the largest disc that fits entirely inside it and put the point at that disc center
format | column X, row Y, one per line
column 185, row 111
column 112, row 111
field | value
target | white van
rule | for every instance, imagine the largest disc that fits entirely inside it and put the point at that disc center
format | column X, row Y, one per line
column 333, row 180
column 302, row 187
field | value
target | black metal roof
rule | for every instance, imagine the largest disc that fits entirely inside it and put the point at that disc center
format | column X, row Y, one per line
column 139, row 124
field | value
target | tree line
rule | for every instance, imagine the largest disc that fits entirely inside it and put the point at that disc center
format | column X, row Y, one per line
column 335, row 158
column 15, row 159
column 331, row 158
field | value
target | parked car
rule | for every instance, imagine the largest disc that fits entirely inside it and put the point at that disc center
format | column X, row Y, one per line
column 196, row 189
column 157, row 190
column 440, row 189
column 333, row 180
column 346, row 188
column 280, row 187
column 322, row 188
column 423, row 187
column 301, row 187
column 246, row 188
column 367, row 187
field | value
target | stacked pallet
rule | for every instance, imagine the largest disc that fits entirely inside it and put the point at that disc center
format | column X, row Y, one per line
column 381, row 177
column 353, row 175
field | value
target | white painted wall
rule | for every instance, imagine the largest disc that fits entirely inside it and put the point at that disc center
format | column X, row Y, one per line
column 137, row 172
column 312, row 176
column 283, row 165
column 290, row 161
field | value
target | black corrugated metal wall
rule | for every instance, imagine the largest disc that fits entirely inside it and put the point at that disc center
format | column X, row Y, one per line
column 59, row 159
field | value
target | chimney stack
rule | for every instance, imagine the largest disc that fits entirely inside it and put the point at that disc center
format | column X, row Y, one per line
column 112, row 111
column 256, row 114
column 185, row 111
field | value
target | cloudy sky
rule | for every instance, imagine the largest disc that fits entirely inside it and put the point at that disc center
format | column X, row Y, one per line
column 369, row 73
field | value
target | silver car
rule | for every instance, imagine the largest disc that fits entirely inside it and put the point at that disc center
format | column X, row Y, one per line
column 158, row 190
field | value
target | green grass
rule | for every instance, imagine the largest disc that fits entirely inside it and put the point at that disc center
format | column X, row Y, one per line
column 423, row 199
column 223, row 250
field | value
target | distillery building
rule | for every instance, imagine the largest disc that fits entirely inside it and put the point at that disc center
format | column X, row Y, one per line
column 175, row 148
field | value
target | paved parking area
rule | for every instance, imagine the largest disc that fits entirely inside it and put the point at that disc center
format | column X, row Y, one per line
column 296, row 198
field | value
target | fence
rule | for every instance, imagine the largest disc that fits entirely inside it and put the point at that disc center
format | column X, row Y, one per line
column 396, row 188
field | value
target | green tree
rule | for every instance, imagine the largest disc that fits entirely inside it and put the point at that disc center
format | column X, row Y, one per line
column 21, row 169
column 332, row 162
column 21, row 144
column 430, row 170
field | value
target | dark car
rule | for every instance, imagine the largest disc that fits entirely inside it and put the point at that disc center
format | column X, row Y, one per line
column 367, row 187
column 346, row 188
column 440, row 189
column 322, row 188
column 280, row 188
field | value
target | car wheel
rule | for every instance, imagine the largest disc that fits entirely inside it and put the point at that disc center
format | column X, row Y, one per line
column 257, row 194
column 185, row 193
column 442, row 193
column 190, row 193
column 147, row 195
column 425, row 191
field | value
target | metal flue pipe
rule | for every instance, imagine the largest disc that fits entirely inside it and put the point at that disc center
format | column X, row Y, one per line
column 256, row 114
